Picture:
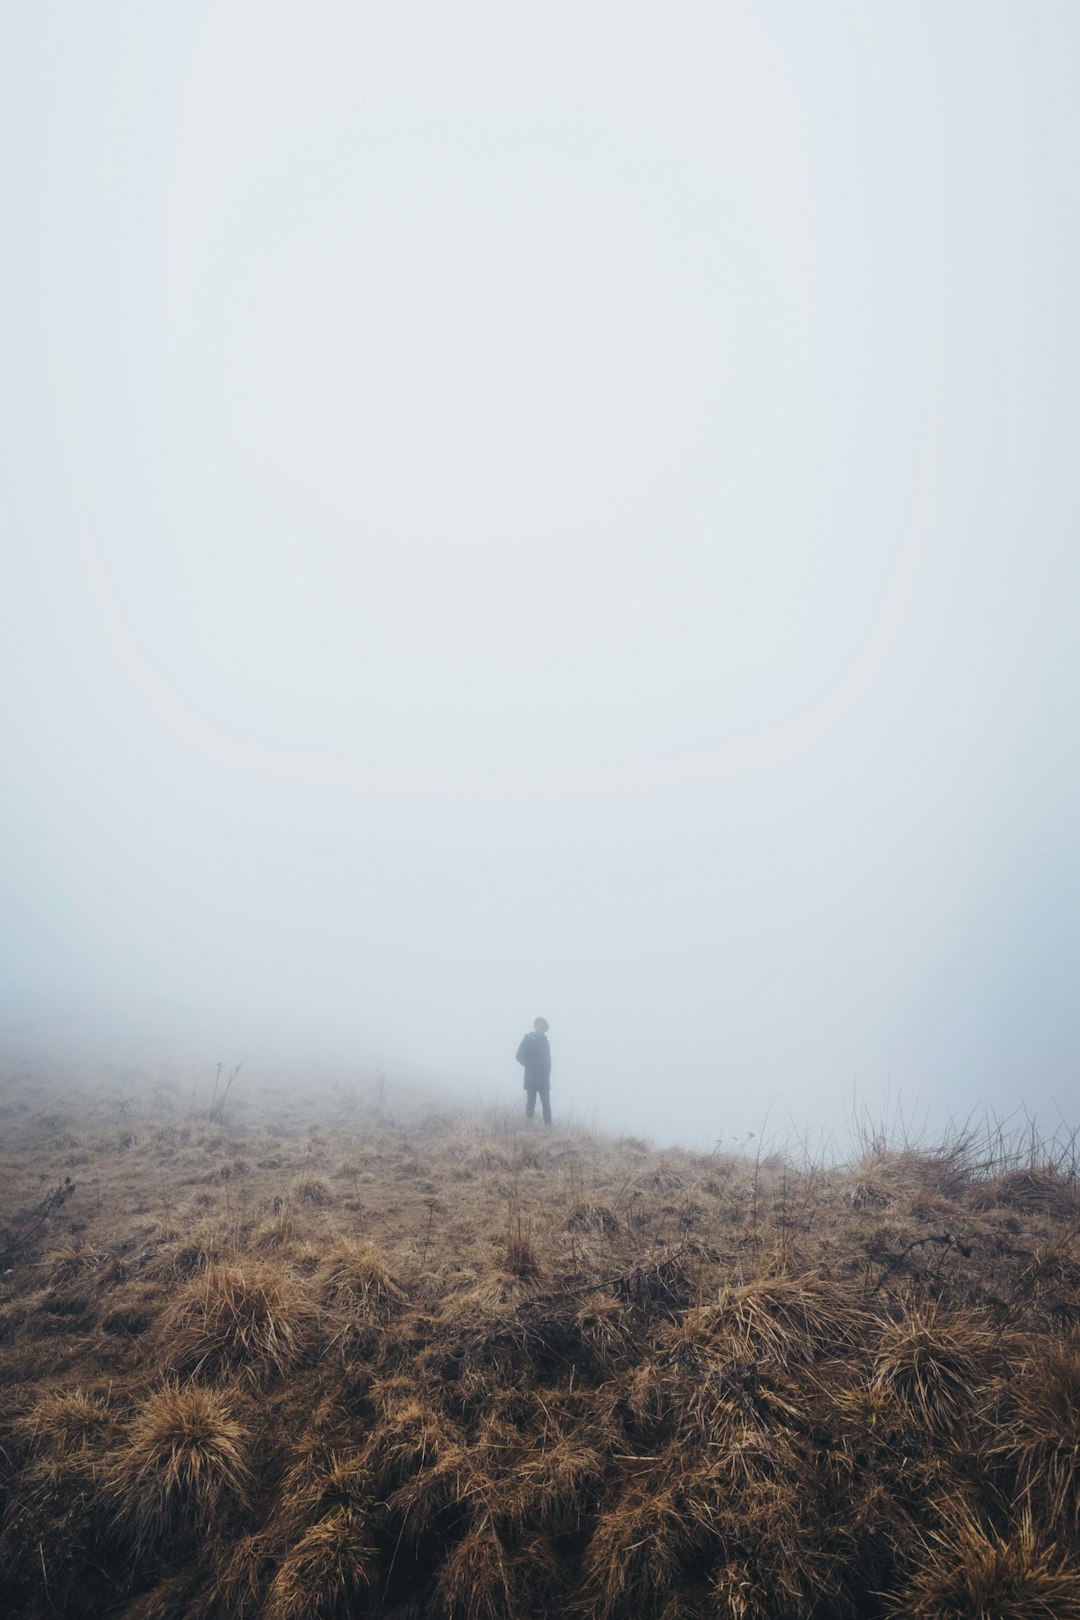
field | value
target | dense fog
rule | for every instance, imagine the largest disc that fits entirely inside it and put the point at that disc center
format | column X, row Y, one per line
column 563, row 511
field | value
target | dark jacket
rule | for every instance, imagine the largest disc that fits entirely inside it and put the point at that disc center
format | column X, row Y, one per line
column 534, row 1054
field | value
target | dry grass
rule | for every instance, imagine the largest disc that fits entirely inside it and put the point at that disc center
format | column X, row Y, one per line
column 522, row 1259
column 931, row 1365
column 1038, row 1435
column 65, row 1422
column 476, row 1580
column 1034, row 1190
column 784, row 1319
column 357, row 1278
column 206, row 1244
column 970, row 1571
column 315, row 1192
column 182, row 1468
column 435, row 1367
column 329, row 1571
column 637, row 1551
column 68, row 1261
column 248, row 1318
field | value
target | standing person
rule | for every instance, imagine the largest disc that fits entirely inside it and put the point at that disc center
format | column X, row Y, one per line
column 534, row 1054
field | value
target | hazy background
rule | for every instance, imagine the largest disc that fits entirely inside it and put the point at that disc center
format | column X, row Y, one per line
column 565, row 510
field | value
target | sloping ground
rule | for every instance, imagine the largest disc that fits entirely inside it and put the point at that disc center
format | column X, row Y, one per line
column 321, row 1354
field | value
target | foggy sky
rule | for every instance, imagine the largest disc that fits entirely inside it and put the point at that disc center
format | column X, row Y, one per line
column 565, row 510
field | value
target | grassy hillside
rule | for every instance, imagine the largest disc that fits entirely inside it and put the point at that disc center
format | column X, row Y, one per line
column 304, row 1353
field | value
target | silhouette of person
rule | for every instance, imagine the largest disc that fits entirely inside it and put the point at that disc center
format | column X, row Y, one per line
column 534, row 1054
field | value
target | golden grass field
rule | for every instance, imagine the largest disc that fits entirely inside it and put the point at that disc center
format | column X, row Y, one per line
column 324, row 1350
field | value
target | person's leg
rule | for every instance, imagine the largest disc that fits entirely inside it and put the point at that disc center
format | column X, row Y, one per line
column 545, row 1098
column 530, row 1101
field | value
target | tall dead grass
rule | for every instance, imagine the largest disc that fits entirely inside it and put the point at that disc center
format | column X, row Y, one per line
column 971, row 1571
column 930, row 1365
column 454, row 1373
column 357, row 1277
column 244, row 1317
column 328, row 1573
column 182, row 1468
column 1037, row 1435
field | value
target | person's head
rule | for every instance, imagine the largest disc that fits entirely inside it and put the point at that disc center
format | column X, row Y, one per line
column 540, row 1025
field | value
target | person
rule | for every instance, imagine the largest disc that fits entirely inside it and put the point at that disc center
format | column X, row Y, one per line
column 534, row 1054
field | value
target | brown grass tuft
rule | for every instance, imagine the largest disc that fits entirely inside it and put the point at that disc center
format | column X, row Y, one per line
column 238, row 1589
column 607, row 1327
column 637, row 1550
column 786, row 1320
column 328, row 1573
column 475, row 1581
column 737, row 1595
column 913, row 1174
column 357, row 1278
column 435, row 1494
column 551, row 1487
column 63, row 1264
column 315, row 1191
column 930, row 1364
column 522, row 1260
column 1040, row 1435
column 182, row 1467
column 67, row 1421
column 248, row 1317
column 587, row 1217
column 968, row 1571
column 410, row 1435
column 1038, row 1191
column 205, row 1245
